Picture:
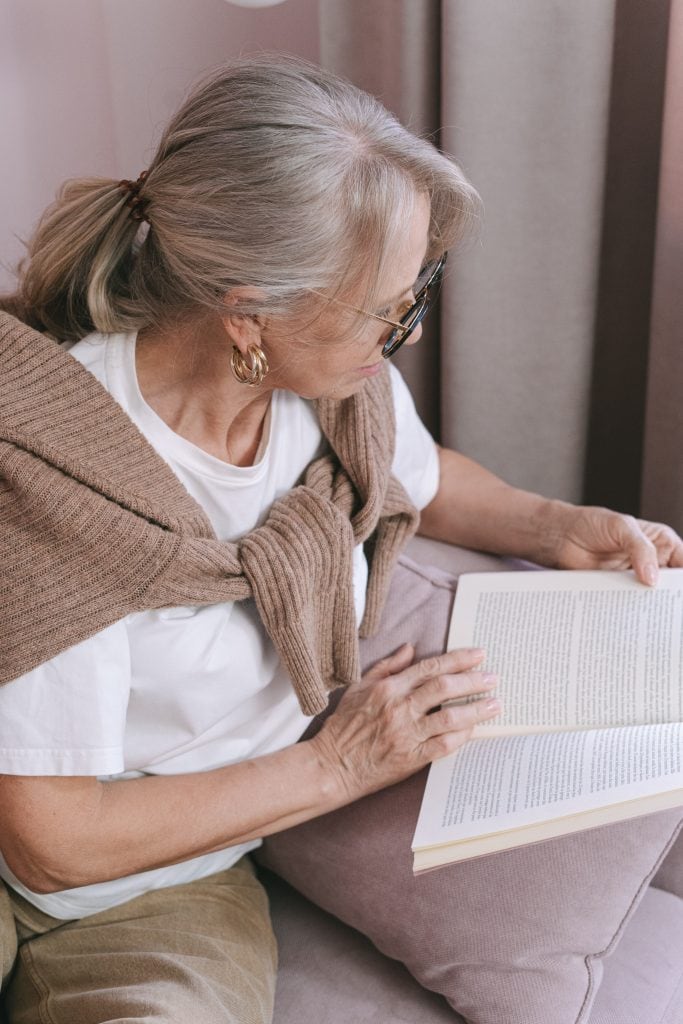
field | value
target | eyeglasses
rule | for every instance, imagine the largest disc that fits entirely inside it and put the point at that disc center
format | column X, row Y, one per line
column 426, row 289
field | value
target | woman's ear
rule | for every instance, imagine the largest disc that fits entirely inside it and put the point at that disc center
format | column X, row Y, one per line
column 242, row 329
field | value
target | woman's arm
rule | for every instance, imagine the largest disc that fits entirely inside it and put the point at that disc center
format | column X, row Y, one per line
column 59, row 833
column 475, row 509
column 63, row 832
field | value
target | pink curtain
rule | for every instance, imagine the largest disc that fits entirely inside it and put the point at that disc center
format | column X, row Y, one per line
column 560, row 113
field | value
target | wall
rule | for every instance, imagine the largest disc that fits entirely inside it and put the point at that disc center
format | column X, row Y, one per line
column 87, row 85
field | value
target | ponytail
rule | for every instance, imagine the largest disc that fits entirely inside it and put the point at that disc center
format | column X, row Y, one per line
column 274, row 174
column 76, row 276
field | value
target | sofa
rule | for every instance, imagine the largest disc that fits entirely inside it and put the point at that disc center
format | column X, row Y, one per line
column 331, row 974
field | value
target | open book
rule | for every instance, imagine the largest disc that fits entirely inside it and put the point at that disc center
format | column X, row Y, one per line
column 591, row 679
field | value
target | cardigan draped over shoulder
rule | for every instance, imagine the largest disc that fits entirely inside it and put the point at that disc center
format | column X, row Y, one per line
column 95, row 525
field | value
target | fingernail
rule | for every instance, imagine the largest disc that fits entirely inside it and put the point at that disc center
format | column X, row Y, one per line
column 489, row 679
column 476, row 652
column 650, row 575
column 493, row 705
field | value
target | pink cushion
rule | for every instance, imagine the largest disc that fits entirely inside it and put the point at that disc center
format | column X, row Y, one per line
column 514, row 938
column 331, row 974
column 670, row 875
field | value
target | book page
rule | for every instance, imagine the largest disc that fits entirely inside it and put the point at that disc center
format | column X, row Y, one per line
column 575, row 649
column 429, row 857
column 509, row 782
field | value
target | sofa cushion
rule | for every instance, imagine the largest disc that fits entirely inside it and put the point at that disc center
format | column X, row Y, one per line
column 670, row 875
column 331, row 974
column 517, row 937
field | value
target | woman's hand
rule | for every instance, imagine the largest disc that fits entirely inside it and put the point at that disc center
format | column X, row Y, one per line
column 589, row 537
column 385, row 727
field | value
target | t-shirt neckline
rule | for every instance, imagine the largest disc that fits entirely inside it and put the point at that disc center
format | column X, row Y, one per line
column 121, row 376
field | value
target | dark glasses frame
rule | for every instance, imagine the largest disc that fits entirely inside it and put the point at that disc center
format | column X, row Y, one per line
column 414, row 314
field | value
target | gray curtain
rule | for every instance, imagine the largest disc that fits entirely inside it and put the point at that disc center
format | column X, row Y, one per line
column 663, row 449
column 539, row 366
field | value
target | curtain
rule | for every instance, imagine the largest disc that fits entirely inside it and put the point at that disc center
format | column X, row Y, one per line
column 552, row 363
column 662, row 467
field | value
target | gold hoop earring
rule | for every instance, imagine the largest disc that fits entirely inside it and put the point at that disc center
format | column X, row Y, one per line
column 253, row 374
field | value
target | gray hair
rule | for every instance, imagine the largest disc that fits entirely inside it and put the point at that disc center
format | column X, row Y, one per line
column 273, row 173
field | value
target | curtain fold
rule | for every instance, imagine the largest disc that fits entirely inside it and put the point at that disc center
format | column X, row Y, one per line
column 538, row 368
column 662, row 466
column 525, row 95
column 622, row 322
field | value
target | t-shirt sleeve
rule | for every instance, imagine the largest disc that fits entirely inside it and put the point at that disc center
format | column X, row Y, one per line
column 68, row 716
column 416, row 460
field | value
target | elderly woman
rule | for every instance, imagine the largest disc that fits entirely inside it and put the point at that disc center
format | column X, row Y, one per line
column 188, row 484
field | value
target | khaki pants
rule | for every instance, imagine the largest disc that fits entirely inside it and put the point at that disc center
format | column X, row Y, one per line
column 202, row 952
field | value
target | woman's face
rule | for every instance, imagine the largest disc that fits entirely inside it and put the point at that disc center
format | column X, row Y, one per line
column 314, row 362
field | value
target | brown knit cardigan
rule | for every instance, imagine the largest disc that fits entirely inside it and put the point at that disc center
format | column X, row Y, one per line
column 94, row 525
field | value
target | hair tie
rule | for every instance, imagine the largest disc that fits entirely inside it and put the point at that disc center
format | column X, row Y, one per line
column 135, row 202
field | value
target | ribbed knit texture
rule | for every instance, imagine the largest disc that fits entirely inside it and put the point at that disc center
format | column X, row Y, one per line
column 94, row 525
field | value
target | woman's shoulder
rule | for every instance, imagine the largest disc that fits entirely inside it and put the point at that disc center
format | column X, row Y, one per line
column 94, row 350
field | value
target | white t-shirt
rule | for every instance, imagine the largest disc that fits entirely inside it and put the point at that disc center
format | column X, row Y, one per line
column 182, row 689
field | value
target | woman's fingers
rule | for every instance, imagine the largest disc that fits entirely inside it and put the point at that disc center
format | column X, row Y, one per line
column 444, row 744
column 463, row 659
column 428, row 683
column 640, row 550
column 385, row 727
column 440, row 689
column 395, row 662
column 456, row 718
column 667, row 542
